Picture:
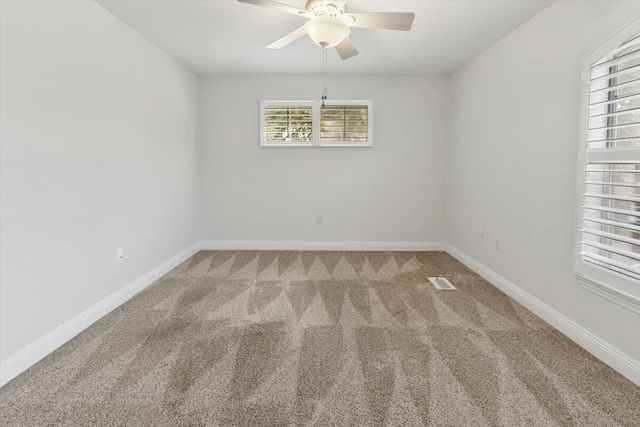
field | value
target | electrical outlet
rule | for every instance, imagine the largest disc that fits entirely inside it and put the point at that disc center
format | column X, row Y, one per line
column 150, row 240
column 497, row 243
column 481, row 235
column 319, row 219
column 119, row 254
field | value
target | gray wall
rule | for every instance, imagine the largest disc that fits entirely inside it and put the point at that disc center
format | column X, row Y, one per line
column 513, row 151
column 391, row 192
column 99, row 149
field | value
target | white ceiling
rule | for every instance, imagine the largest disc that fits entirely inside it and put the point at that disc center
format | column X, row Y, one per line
column 228, row 37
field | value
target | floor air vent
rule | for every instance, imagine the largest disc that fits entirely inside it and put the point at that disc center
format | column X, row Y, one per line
column 442, row 283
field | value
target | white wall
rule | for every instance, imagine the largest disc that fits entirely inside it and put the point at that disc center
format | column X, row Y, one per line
column 99, row 149
column 512, row 160
column 392, row 192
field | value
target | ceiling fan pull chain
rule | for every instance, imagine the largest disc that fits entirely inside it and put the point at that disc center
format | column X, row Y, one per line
column 324, row 75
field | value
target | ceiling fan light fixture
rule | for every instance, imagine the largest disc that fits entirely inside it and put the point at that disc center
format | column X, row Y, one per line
column 326, row 31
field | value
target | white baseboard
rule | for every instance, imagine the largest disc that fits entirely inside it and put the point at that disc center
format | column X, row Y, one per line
column 30, row 355
column 621, row 362
column 33, row 353
column 321, row 245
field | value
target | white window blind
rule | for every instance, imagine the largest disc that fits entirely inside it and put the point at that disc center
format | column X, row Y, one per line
column 344, row 123
column 288, row 123
column 307, row 124
column 610, row 209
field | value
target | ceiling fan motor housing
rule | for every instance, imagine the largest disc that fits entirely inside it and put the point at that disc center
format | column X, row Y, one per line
column 321, row 7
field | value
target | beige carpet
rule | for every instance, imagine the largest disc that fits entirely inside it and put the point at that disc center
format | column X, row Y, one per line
column 319, row 338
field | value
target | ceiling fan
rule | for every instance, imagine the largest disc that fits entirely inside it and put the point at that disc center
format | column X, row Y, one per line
column 329, row 23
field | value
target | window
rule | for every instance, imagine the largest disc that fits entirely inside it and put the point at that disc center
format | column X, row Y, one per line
column 308, row 124
column 288, row 122
column 344, row 123
column 608, row 235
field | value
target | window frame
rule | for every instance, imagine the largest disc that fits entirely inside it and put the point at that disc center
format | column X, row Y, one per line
column 316, row 140
column 619, row 288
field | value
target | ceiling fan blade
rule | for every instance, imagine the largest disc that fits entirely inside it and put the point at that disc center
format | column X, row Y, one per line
column 279, row 6
column 283, row 41
column 346, row 49
column 383, row 20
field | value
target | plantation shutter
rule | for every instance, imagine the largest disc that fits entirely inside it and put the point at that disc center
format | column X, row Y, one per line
column 344, row 123
column 288, row 123
column 610, row 222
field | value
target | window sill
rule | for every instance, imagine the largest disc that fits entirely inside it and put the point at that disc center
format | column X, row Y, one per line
column 329, row 144
column 623, row 299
